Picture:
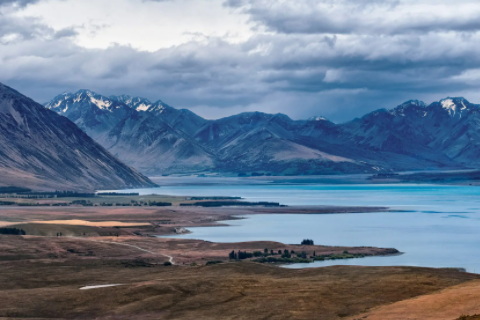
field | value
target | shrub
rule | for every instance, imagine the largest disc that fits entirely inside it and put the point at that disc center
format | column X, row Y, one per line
column 209, row 263
column 168, row 263
column 257, row 253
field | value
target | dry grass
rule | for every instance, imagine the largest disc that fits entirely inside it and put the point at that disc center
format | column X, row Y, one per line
column 447, row 304
column 40, row 279
column 474, row 317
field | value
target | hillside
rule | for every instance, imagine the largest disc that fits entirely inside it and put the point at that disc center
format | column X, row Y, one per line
column 45, row 151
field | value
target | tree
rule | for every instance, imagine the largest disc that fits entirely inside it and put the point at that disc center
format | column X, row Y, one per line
column 307, row 242
column 265, row 250
column 232, row 255
column 286, row 254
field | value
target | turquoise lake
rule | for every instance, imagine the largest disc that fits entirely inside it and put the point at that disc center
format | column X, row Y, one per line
column 441, row 229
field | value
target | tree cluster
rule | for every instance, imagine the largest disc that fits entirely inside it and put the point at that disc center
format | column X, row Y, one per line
column 307, row 242
column 159, row 204
column 12, row 231
column 241, row 255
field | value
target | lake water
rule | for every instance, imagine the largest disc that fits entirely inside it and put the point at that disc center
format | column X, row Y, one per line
column 442, row 229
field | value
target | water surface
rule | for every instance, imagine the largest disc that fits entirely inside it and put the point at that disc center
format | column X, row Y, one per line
column 442, row 229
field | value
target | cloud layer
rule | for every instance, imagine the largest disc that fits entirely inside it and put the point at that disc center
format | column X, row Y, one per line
column 337, row 58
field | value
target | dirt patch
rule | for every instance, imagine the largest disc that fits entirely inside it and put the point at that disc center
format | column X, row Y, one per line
column 93, row 223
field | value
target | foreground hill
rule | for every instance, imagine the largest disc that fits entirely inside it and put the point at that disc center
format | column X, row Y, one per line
column 48, row 272
column 43, row 150
column 159, row 139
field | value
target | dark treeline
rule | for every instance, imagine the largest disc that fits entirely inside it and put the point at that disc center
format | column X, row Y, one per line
column 12, row 231
column 215, row 198
column 159, row 204
column 7, row 203
column 73, row 194
column 57, row 194
column 117, row 194
column 13, row 190
column 241, row 255
column 230, row 203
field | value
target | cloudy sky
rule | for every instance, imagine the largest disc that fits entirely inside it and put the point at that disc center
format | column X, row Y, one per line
column 335, row 58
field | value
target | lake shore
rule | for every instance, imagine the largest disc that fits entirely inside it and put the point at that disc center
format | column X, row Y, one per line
column 147, row 221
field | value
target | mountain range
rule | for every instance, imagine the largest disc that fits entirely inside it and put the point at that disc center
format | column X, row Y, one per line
column 156, row 138
column 46, row 151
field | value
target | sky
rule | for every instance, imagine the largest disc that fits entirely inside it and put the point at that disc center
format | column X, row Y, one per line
column 334, row 58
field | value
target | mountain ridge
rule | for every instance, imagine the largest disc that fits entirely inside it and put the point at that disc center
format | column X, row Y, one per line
column 160, row 139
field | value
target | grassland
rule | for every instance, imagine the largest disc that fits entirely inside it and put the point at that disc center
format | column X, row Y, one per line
column 41, row 277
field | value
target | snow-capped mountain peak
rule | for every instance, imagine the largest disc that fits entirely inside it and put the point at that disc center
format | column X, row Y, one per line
column 411, row 105
column 455, row 107
column 136, row 103
column 158, row 107
column 317, row 118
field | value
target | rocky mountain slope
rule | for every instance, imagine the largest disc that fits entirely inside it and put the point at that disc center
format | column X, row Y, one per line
column 45, row 151
column 159, row 139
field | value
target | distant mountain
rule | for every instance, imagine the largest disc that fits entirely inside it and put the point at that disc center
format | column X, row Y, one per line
column 152, row 137
column 446, row 132
column 159, row 139
column 45, row 151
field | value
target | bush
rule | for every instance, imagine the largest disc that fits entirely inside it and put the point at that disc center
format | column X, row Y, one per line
column 209, row 263
column 168, row 263
column 257, row 253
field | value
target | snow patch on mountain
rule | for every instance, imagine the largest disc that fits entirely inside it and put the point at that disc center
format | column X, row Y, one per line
column 143, row 107
column 449, row 105
column 316, row 118
column 102, row 104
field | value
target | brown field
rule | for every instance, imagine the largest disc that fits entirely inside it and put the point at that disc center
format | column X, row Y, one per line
column 151, row 220
column 41, row 274
column 40, row 277
column 152, row 250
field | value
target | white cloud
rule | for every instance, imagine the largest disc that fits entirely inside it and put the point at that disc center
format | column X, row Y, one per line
column 246, row 55
column 144, row 25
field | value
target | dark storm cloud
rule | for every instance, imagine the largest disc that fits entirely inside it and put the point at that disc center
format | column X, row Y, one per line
column 352, row 17
column 339, row 75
